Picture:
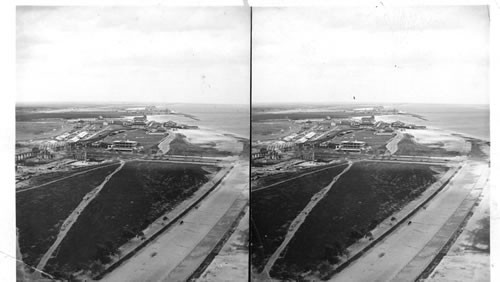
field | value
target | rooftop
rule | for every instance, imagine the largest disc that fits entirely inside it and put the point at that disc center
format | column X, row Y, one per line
column 124, row 141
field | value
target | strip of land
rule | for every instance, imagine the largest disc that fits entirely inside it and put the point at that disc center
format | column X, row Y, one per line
column 184, row 270
column 468, row 258
column 231, row 262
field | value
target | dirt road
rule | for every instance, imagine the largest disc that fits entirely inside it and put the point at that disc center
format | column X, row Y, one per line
column 392, row 146
column 66, row 226
column 406, row 252
column 165, row 143
column 170, row 251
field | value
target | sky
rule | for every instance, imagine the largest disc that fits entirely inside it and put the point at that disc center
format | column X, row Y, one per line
column 128, row 54
column 376, row 54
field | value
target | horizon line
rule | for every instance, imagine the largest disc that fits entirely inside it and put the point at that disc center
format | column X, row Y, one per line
column 148, row 103
column 367, row 103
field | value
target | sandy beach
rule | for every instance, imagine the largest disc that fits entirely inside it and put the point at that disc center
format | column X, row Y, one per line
column 429, row 124
column 203, row 137
column 431, row 136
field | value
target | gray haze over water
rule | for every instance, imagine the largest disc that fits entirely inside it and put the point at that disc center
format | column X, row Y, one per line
column 471, row 120
column 233, row 119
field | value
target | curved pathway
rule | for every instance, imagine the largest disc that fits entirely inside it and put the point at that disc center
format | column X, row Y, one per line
column 392, row 146
column 66, row 226
column 164, row 145
column 301, row 217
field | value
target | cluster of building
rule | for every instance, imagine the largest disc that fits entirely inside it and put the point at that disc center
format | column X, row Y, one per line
column 173, row 125
column 273, row 151
column 84, row 129
column 399, row 124
column 313, row 133
column 35, row 154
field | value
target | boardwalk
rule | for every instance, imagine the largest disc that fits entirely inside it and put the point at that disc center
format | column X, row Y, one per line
column 407, row 251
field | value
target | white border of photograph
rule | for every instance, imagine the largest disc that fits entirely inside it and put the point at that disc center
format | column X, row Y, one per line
column 7, row 73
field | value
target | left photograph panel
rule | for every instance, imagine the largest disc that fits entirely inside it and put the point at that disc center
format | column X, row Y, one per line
column 132, row 143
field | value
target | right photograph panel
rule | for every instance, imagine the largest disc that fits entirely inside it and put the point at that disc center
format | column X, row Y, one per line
column 370, row 144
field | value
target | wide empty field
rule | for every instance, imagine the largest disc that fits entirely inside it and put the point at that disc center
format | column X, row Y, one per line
column 41, row 129
column 271, row 130
column 274, row 209
column 133, row 198
column 368, row 193
column 41, row 211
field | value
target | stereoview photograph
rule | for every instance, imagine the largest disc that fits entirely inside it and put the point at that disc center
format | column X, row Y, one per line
column 370, row 144
column 132, row 143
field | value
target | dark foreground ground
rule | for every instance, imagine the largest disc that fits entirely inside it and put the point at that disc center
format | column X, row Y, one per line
column 40, row 212
column 135, row 196
column 368, row 193
column 275, row 208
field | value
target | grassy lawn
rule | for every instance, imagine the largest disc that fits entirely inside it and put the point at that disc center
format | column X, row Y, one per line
column 274, row 209
column 135, row 197
column 40, row 212
column 272, row 130
column 41, row 129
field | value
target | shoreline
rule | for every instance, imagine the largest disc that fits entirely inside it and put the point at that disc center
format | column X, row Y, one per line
column 388, row 118
column 159, row 118
column 225, row 133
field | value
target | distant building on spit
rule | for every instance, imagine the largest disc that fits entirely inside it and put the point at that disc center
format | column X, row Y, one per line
column 140, row 122
column 367, row 121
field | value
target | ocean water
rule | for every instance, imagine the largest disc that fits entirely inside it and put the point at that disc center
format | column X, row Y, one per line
column 471, row 120
column 234, row 119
